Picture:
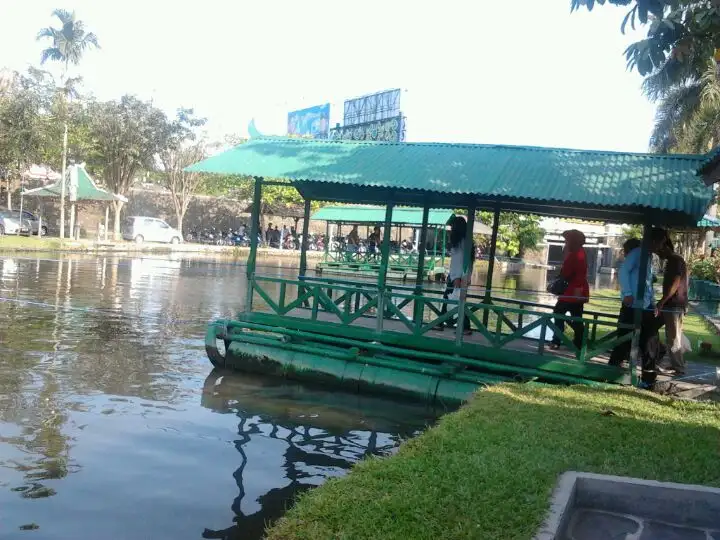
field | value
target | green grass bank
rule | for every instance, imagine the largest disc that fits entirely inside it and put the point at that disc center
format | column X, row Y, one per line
column 488, row 470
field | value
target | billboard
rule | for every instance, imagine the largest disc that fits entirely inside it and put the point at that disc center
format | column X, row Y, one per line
column 372, row 107
column 387, row 130
column 313, row 122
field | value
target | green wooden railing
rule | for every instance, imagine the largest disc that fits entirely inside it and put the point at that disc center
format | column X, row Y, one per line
column 405, row 261
column 417, row 311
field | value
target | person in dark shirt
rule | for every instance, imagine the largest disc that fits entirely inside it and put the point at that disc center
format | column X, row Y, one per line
column 374, row 241
column 672, row 307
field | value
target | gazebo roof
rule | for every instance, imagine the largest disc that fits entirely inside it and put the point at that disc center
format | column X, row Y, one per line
column 609, row 186
column 76, row 175
column 359, row 214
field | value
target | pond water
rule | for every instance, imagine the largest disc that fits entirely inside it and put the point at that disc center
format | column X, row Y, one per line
column 113, row 424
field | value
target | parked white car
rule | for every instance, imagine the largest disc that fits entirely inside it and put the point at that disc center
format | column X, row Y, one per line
column 141, row 229
column 31, row 218
column 10, row 223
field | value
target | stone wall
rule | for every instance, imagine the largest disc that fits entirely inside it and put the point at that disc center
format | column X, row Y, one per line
column 202, row 212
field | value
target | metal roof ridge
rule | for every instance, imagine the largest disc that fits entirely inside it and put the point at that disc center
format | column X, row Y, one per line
column 299, row 140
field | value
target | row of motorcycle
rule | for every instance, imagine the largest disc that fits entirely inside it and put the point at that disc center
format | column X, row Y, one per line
column 240, row 237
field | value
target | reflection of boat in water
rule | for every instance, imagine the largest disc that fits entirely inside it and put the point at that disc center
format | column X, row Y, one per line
column 315, row 434
column 149, row 267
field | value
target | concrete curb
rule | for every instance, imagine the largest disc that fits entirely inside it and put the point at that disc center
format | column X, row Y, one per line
column 647, row 502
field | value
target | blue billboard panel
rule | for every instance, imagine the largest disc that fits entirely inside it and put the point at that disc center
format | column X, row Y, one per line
column 313, row 122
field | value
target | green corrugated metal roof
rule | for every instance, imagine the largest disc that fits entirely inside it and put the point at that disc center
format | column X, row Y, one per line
column 708, row 222
column 376, row 214
column 614, row 186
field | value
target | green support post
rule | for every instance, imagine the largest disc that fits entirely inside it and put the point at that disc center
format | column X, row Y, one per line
column 382, row 275
column 327, row 240
column 304, row 243
column 420, row 276
column 254, row 226
column 639, row 297
column 467, row 263
column 444, row 240
column 491, row 262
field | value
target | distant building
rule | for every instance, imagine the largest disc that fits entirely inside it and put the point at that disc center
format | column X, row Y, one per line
column 602, row 241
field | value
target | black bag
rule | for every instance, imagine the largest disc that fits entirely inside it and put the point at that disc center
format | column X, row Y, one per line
column 558, row 286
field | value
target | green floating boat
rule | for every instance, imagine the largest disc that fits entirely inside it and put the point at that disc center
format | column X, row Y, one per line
column 377, row 337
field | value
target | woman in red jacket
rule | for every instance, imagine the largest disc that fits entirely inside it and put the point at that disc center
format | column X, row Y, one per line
column 574, row 270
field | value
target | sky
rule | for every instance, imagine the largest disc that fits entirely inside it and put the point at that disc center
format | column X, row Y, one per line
column 525, row 72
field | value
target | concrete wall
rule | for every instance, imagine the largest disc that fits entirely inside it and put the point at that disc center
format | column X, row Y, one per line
column 203, row 212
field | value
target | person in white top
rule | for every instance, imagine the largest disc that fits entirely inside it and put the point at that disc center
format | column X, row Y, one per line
column 457, row 278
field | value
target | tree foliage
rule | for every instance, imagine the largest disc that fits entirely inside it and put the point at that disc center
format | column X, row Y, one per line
column 181, row 150
column 633, row 232
column 517, row 233
column 681, row 35
column 21, row 125
column 182, row 185
column 128, row 135
column 677, row 59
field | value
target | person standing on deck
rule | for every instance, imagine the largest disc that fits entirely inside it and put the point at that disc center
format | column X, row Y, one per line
column 574, row 270
column 353, row 240
column 374, row 241
column 672, row 307
column 457, row 278
column 628, row 277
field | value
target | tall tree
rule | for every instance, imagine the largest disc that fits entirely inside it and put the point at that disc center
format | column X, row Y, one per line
column 21, row 129
column 68, row 44
column 180, row 151
column 678, row 59
column 128, row 135
column 182, row 185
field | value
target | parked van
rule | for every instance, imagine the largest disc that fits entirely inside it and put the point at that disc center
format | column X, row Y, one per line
column 141, row 229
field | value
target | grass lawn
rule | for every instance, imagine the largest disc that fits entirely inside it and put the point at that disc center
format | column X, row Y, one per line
column 488, row 470
column 29, row 242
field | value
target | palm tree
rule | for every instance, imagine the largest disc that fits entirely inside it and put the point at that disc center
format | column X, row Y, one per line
column 68, row 44
column 688, row 114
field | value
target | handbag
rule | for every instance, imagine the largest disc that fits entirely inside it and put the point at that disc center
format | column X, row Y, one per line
column 558, row 286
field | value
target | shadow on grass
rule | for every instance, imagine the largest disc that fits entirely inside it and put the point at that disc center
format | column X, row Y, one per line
column 488, row 470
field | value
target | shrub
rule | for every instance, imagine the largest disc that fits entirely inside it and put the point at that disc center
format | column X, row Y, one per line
column 706, row 268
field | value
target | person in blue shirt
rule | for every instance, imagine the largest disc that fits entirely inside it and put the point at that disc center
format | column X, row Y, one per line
column 628, row 277
column 649, row 342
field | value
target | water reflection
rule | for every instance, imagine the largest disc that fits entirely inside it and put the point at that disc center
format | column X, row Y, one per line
column 111, row 428
column 311, row 434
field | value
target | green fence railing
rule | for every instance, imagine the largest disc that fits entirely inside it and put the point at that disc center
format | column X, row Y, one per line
column 503, row 323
